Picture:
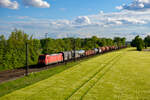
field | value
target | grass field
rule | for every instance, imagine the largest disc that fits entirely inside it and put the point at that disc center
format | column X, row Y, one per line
column 121, row 75
column 22, row 82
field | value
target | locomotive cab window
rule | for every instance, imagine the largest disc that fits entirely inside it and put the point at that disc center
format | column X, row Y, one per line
column 42, row 57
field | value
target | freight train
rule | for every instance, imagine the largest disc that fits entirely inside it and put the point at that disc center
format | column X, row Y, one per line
column 47, row 59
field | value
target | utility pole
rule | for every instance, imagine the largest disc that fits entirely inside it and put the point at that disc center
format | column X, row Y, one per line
column 94, row 43
column 27, row 67
column 74, row 48
column 46, row 42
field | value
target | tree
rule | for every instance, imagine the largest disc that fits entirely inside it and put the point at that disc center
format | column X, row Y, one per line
column 13, row 52
column 95, row 41
column 138, row 43
column 117, row 40
column 2, row 50
column 123, row 41
column 147, row 41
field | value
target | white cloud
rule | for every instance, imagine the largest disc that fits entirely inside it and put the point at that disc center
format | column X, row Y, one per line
column 23, row 17
column 36, row 3
column 117, row 19
column 132, row 21
column 125, row 21
column 136, row 5
column 103, row 25
column 113, row 21
column 81, row 20
column 101, row 12
column 121, row 18
column 119, row 7
column 9, row 4
column 78, row 22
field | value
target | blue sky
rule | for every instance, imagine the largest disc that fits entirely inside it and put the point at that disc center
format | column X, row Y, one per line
column 60, row 9
column 76, row 18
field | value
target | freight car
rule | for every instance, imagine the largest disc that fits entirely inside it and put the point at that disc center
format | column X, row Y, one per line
column 113, row 47
column 102, row 49
column 96, row 50
column 67, row 55
column 89, row 52
column 110, row 48
column 99, row 50
column 81, row 53
column 75, row 54
column 106, row 48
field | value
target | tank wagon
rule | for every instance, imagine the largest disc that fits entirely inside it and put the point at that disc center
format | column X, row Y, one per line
column 89, row 52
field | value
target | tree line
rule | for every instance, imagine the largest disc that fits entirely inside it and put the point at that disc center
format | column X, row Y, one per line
column 140, row 43
column 13, row 49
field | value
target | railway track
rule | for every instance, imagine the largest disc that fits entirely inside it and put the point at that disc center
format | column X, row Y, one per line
column 16, row 73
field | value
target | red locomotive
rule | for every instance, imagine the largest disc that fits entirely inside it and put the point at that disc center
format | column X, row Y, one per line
column 50, row 59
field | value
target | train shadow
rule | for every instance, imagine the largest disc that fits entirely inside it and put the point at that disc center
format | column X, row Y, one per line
column 36, row 66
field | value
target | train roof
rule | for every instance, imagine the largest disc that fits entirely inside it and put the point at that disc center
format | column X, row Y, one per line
column 50, row 54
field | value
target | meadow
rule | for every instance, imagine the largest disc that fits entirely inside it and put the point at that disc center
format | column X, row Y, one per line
column 119, row 75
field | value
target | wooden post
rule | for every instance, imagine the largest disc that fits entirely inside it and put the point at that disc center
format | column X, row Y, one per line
column 74, row 42
column 46, row 42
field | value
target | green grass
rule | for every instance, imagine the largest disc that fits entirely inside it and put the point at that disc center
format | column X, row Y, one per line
column 121, row 75
column 19, row 83
column 127, row 80
column 10, row 86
